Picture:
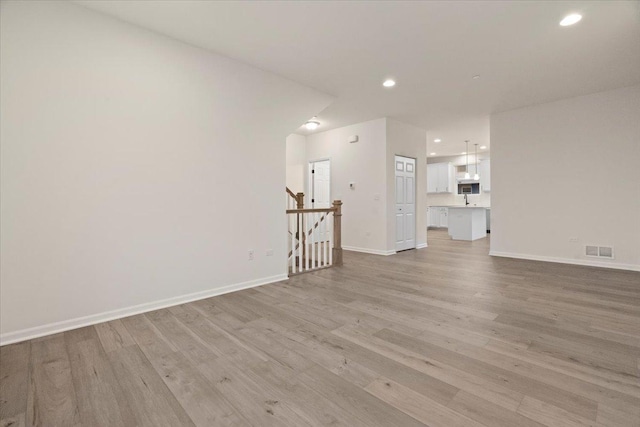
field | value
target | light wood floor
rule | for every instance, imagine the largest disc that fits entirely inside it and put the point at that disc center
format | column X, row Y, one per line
column 444, row 336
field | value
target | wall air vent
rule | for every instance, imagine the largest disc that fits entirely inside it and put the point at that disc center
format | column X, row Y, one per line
column 605, row 252
column 592, row 251
column 599, row 251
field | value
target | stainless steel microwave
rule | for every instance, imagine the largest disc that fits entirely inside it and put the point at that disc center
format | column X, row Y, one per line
column 470, row 188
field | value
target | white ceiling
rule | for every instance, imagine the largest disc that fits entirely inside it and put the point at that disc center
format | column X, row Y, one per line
column 431, row 48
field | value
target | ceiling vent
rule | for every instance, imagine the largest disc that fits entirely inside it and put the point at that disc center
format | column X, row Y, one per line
column 599, row 251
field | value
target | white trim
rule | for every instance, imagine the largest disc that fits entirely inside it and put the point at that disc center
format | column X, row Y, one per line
column 586, row 262
column 421, row 245
column 65, row 325
column 368, row 251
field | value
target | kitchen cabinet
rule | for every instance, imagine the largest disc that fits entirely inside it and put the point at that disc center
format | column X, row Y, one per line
column 440, row 178
column 437, row 216
column 484, row 169
column 443, row 217
column 468, row 223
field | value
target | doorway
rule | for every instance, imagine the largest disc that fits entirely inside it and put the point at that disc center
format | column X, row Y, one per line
column 405, row 178
column 320, row 184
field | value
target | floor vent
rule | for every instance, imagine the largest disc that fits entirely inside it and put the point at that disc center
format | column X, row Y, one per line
column 599, row 251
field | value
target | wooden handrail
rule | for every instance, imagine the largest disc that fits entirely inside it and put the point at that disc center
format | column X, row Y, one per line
column 305, row 222
column 291, row 193
column 298, row 197
column 292, row 211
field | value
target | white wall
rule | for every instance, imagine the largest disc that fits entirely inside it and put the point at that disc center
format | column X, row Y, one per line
column 364, row 162
column 409, row 141
column 296, row 162
column 136, row 171
column 566, row 169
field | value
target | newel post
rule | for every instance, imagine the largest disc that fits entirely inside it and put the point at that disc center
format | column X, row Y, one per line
column 300, row 200
column 337, row 232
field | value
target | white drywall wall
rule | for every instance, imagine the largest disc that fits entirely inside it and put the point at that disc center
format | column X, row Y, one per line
column 136, row 171
column 296, row 162
column 568, row 169
column 409, row 141
column 363, row 163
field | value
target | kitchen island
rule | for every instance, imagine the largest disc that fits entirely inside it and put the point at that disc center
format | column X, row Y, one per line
column 467, row 222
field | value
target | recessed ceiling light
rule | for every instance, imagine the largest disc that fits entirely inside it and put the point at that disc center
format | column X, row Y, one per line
column 570, row 19
column 432, row 154
column 437, row 140
column 483, row 147
column 312, row 124
column 464, row 152
column 389, row 83
column 476, row 77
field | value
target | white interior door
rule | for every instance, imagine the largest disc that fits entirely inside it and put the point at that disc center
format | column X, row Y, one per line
column 405, row 203
column 320, row 193
column 319, row 185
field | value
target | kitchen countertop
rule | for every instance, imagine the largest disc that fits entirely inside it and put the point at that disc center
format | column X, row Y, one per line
column 459, row 206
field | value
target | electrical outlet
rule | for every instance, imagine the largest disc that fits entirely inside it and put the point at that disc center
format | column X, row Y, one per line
column 269, row 252
column 573, row 239
column 251, row 255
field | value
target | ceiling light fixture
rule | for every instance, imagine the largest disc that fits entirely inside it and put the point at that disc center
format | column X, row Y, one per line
column 389, row 83
column 432, row 154
column 483, row 147
column 312, row 124
column 466, row 171
column 476, row 77
column 437, row 140
column 476, row 176
column 463, row 153
column 570, row 19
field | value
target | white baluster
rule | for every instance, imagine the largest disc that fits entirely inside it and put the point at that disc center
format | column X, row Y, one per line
column 325, row 225
column 300, row 240
column 313, row 240
column 320, row 243
column 293, row 243
column 305, row 253
column 330, row 218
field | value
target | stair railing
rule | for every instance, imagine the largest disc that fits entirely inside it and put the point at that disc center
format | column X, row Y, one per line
column 315, row 236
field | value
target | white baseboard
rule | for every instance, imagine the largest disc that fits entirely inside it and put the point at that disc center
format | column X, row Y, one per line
column 421, row 245
column 368, row 251
column 66, row 325
column 586, row 262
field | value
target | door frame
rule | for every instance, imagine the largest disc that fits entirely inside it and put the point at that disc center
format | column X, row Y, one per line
column 309, row 182
column 415, row 199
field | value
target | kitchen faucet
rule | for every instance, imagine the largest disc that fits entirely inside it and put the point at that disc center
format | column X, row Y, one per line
column 466, row 202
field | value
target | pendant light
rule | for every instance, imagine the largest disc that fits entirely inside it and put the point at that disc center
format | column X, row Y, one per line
column 466, row 171
column 476, row 176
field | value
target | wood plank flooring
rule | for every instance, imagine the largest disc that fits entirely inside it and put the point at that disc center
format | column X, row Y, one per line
column 444, row 336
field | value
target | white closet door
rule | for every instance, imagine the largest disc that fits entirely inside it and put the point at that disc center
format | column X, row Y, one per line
column 405, row 176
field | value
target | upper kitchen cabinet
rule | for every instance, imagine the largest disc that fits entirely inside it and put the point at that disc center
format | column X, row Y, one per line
column 484, row 169
column 440, row 178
